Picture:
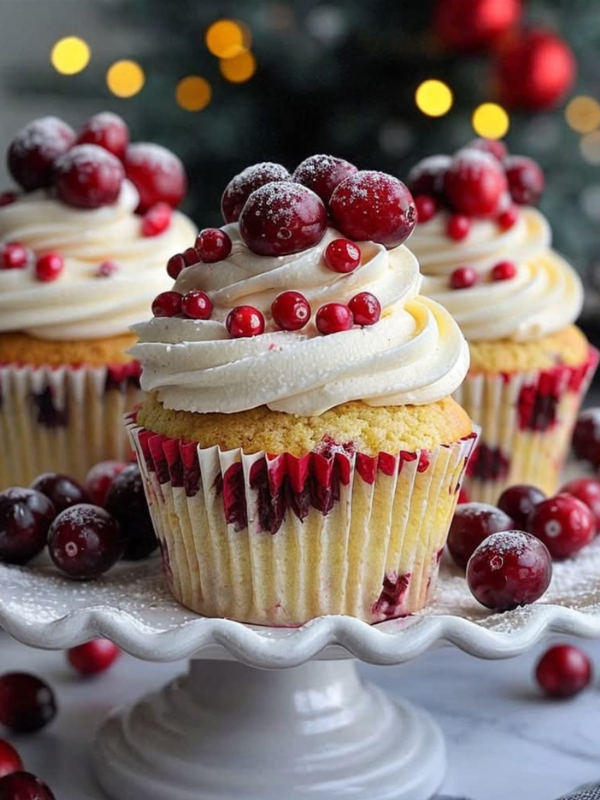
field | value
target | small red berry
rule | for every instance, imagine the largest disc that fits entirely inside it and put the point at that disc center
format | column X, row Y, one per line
column 525, row 180
column 34, row 150
column 586, row 436
column 458, row 227
column 365, row 308
column 291, row 311
column 463, row 278
column 213, row 244
column 518, row 502
column 588, row 491
column 196, row 305
column 427, row 177
column 471, row 525
column 323, row 173
column 10, row 760
column 504, row 271
column 106, row 269
column 342, row 255
column 245, row 321
column 493, row 147
column 475, row 183
column 27, row 703
column 93, row 657
column 507, row 219
column 156, row 173
column 564, row 524
column 85, row 541
column 8, row 198
column 166, row 304
column 157, row 219
column 334, row 318
column 99, row 478
column 14, row 255
column 463, row 496
column 107, row 130
column 62, row 490
column 563, row 671
column 49, row 267
column 25, row 518
column 24, row 786
column 426, row 207
column 175, row 265
column 87, row 176
column 191, row 256
column 241, row 186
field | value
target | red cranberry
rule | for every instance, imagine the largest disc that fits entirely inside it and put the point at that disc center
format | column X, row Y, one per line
column 588, row 491
column 365, row 308
column 463, row 278
column 241, row 186
column 245, row 321
column 34, row 150
column 458, row 227
column 463, row 496
column 8, row 198
column 84, row 541
column 14, row 255
column 507, row 219
column 323, row 173
column 374, row 206
column 213, row 244
column 586, row 436
column 334, row 318
column 88, row 177
column 282, row 218
column 106, row 269
column 24, row 786
column 475, row 183
column 175, row 265
column 426, row 207
column 25, row 518
column 191, row 256
column 157, row 219
column 427, row 177
column 525, row 180
column 93, row 657
column 107, row 130
column 10, row 760
column 27, row 703
column 509, row 569
column 49, row 267
column 504, row 271
column 99, row 478
column 196, row 305
column 519, row 501
column 166, row 304
column 471, row 524
column 126, row 501
column 493, row 147
column 342, row 255
column 156, row 173
column 62, row 491
column 291, row 311
column 563, row 523
column 563, row 671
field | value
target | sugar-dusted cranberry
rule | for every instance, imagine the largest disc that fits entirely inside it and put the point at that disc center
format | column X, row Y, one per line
column 504, row 271
column 156, row 219
column 166, row 304
column 93, row 657
column 471, row 524
column 374, row 206
column 62, row 491
column 525, row 180
column 342, row 255
column 245, row 321
column 518, row 502
column 494, row 147
column 213, row 244
column 365, row 308
column 588, row 491
column 14, row 255
column 427, row 176
column 8, row 198
column 509, row 569
column 241, row 186
column 323, row 173
column 586, row 436
column 290, row 311
column 458, row 227
column 24, row 786
column 10, row 760
column 49, row 267
column 126, row 501
column 463, row 278
column 34, row 150
column 426, row 207
column 156, row 173
column 474, row 183
column 107, row 130
column 563, row 523
column 508, row 218
column 25, row 518
column 563, row 671
column 106, row 269
column 99, row 478
column 85, row 541
column 334, row 318
column 88, row 177
column 282, row 218
column 27, row 703
column 196, row 304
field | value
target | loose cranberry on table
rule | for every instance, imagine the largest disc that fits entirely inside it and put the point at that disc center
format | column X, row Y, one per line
column 34, row 150
column 475, row 183
column 518, row 502
column 564, row 524
column 156, row 173
column 213, row 244
column 107, row 130
column 196, row 304
column 10, row 760
column 342, row 255
column 27, row 703
column 586, row 436
column 458, row 227
column 25, row 519
column 471, row 524
column 61, row 490
column 14, row 255
column 49, row 267
column 88, row 177
column 127, row 503
column 93, row 657
column 98, row 480
column 85, row 541
column 509, row 569
column 563, row 671
column 525, row 180
column 24, row 786
column 494, row 147
column 157, row 219
column 334, row 318
column 365, row 308
column 588, row 491
column 427, row 177
column 463, row 278
column 241, row 186
column 167, row 304
column 290, row 311
column 245, row 321
column 323, row 173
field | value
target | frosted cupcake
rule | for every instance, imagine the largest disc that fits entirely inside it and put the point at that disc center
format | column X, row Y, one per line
column 78, row 266
column 301, row 451
column 486, row 255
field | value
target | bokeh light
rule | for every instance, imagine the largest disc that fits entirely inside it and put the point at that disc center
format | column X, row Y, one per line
column 590, row 147
column 193, row 93
column 490, row 121
column 434, row 98
column 238, row 69
column 583, row 114
column 70, row 55
column 125, row 78
column 227, row 38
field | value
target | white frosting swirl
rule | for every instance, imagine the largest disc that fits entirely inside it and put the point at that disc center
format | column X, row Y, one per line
column 544, row 296
column 80, row 305
column 415, row 354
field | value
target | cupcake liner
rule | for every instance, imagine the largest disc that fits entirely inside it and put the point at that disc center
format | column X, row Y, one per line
column 278, row 540
column 64, row 419
column 527, row 419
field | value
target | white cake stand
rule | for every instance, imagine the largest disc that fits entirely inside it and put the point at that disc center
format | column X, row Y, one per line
column 267, row 713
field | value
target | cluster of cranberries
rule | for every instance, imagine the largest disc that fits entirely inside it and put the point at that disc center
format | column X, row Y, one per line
column 481, row 180
column 466, row 277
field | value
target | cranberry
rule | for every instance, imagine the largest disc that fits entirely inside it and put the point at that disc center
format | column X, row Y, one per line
column 34, row 150
column 463, row 278
column 175, row 265
column 475, row 183
column 426, row 207
column 323, row 173
column 49, row 267
column 508, row 218
column 509, row 569
column 241, row 186
column 588, row 491
column 156, row 173
column 25, row 518
column 563, row 523
column 463, row 496
column 88, row 177
column 491, row 146
column 519, row 501
column 14, row 255
column 525, row 180
column 342, row 255
column 191, row 256
column 126, row 501
column 213, row 244
column 10, row 760
column 586, row 436
column 156, row 219
column 107, row 130
column 563, row 671
column 8, row 198
column 282, row 218
column 93, row 657
column 99, row 478
column 245, row 321
column 106, row 269
column 24, row 786
column 196, row 305
column 290, row 311
column 365, row 308
column 458, row 227
column 334, row 318
column 84, row 541
column 62, row 491
column 166, row 304
column 427, row 177
column 374, row 206
column 471, row 524
column 26, row 702
column 504, row 271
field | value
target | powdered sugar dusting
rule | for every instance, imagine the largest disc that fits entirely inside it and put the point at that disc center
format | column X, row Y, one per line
column 86, row 157
column 49, row 135
column 103, row 120
column 154, row 156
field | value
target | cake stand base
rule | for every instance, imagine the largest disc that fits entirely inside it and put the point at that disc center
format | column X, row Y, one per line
column 226, row 731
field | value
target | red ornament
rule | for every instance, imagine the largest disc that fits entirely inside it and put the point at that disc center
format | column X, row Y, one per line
column 563, row 671
column 157, row 219
column 458, row 227
column 365, row 308
column 93, row 657
column 196, row 305
column 504, row 271
column 342, row 255
column 468, row 25
column 166, row 304
column 334, row 318
column 213, row 244
column 49, row 267
column 10, row 760
column 463, row 278
column 245, row 321
column 564, row 524
column 291, row 311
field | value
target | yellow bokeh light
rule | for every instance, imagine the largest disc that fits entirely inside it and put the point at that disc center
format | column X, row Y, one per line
column 226, row 38
column 590, row 147
column 70, row 55
column 193, row 93
column 434, row 98
column 583, row 114
column 490, row 121
column 238, row 69
column 125, row 78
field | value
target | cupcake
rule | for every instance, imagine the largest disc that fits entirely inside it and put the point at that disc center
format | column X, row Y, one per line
column 485, row 252
column 300, row 449
column 78, row 266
